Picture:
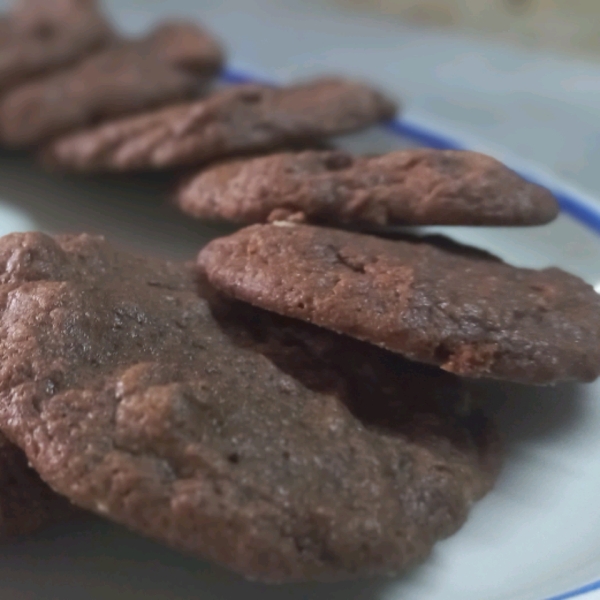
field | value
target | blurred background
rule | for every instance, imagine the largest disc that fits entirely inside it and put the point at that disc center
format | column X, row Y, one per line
column 524, row 74
column 516, row 76
column 511, row 77
column 565, row 25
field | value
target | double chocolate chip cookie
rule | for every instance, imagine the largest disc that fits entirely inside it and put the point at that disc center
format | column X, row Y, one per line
column 426, row 298
column 410, row 187
column 281, row 450
column 243, row 119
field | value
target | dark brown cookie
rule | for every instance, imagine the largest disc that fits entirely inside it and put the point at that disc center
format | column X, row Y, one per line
column 243, row 439
column 239, row 120
column 26, row 502
column 416, row 187
column 131, row 76
column 40, row 36
column 437, row 303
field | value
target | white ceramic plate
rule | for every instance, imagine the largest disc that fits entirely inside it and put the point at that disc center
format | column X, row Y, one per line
column 536, row 537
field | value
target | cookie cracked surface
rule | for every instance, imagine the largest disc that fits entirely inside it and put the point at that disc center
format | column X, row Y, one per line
column 407, row 187
column 426, row 298
column 240, row 120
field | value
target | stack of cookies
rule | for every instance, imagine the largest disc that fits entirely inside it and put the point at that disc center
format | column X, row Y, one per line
column 295, row 403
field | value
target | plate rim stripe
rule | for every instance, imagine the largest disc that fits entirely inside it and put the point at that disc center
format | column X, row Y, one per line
column 578, row 204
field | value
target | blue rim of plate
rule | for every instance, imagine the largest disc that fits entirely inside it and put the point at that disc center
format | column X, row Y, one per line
column 576, row 203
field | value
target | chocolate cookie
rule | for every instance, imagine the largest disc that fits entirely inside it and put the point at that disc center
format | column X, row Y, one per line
column 171, row 64
column 239, row 120
column 244, row 440
column 416, row 187
column 26, row 503
column 442, row 304
column 40, row 36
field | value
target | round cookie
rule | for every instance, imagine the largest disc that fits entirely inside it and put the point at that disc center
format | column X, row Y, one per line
column 277, row 449
column 245, row 119
column 171, row 64
column 435, row 302
column 407, row 187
